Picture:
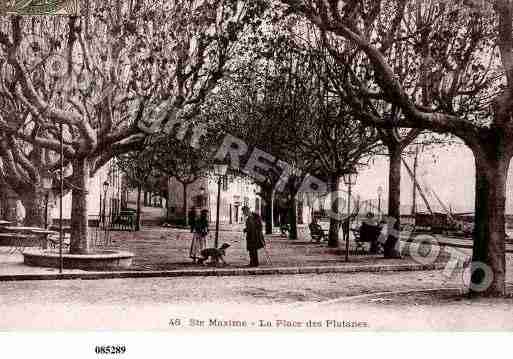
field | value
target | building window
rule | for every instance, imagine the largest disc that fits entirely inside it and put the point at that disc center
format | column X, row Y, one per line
column 224, row 183
column 200, row 201
column 152, row 200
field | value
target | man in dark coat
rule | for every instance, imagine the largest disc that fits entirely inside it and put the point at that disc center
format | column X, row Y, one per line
column 254, row 236
column 192, row 219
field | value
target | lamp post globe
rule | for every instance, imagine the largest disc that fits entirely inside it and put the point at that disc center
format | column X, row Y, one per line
column 220, row 170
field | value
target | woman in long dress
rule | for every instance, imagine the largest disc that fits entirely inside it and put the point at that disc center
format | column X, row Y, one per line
column 199, row 237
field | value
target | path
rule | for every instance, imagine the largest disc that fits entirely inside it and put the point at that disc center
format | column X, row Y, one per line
column 151, row 303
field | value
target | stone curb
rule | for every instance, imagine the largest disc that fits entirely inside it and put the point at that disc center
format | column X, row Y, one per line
column 447, row 291
column 464, row 246
column 224, row 272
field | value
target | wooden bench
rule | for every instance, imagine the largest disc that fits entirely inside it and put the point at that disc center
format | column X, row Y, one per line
column 317, row 234
column 11, row 239
column 284, row 230
column 125, row 220
column 54, row 243
column 367, row 234
column 65, row 229
column 20, row 240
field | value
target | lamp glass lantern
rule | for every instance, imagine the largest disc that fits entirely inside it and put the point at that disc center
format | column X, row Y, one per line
column 350, row 177
column 220, row 169
column 105, row 186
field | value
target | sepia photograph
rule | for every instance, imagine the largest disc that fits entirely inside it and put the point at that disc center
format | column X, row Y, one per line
column 271, row 166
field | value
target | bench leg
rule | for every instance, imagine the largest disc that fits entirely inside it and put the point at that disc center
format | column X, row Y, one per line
column 359, row 246
column 44, row 242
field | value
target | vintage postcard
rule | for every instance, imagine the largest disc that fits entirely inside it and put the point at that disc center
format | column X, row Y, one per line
column 262, row 166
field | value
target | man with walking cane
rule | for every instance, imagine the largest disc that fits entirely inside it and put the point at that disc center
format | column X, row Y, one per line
column 254, row 236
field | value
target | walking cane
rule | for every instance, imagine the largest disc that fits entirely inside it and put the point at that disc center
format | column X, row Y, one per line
column 268, row 257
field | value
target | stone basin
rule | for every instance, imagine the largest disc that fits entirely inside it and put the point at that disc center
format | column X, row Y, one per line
column 99, row 260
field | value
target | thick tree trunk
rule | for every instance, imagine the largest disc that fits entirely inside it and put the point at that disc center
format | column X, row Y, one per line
column 34, row 203
column 138, row 212
column 293, row 218
column 268, row 212
column 489, row 223
column 394, row 201
column 300, row 216
column 268, row 218
column 185, row 210
column 80, row 242
column 335, row 208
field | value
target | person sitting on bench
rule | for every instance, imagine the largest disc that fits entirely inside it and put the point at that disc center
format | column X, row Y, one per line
column 284, row 229
column 369, row 232
column 316, row 231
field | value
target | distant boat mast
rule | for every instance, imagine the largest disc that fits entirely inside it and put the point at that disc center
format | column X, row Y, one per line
column 416, row 186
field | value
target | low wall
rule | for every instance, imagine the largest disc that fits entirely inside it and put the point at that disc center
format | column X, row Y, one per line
column 101, row 260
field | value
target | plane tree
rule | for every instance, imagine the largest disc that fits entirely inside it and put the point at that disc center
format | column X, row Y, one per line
column 463, row 56
column 119, row 60
column 252, row 105
column 286, row 108
column 24, row 166
column 138, row 167
column 178, row 159
column 336, row 143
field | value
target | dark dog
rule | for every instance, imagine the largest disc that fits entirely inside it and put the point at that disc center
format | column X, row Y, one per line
column 215, row 254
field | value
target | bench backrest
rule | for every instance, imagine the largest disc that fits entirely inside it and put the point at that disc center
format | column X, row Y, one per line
column 369, row 233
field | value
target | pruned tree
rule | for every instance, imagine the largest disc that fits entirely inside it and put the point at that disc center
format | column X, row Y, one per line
column 178, row 159
column 119, row 60
column 139, row 169
column 463, row 56
column 337, row 144
column 252, row 105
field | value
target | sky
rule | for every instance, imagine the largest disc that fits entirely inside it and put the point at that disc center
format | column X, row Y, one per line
column 449, row 171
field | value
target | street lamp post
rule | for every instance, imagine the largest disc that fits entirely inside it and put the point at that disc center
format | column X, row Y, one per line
column 104, row 210
column 220, row 171
column 47, row 186
column 380, row 192
column 349, row 180
column 104, row 213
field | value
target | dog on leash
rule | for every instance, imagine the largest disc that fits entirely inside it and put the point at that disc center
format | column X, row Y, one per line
column 215, row 254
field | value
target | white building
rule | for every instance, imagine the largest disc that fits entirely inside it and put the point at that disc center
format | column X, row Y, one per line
column 236, row 192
